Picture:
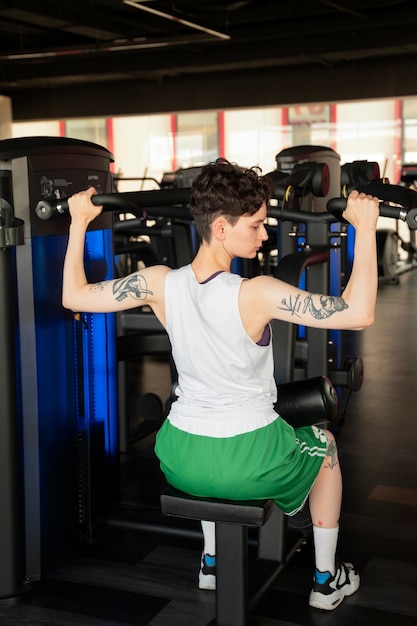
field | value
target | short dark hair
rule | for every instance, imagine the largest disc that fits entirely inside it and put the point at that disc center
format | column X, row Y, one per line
column 224, row 188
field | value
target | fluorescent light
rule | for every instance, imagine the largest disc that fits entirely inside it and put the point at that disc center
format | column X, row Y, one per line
column 174, row 18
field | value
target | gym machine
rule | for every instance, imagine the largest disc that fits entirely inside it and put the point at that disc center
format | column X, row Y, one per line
column 232, row 599
column 165, row 235
column 316, row 253
column 397, row 255
column 306, row 177
column 59, row 438
column 66, row 369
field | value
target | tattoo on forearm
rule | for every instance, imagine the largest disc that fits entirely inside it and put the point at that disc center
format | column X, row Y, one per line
column 332, row 455
column 97, row 287
column 134, row 286
column 325, row 307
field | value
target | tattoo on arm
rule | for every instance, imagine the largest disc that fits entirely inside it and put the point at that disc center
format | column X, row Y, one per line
column 332, row 455
column 134, row 286
column 97, row 287
column 325, row 307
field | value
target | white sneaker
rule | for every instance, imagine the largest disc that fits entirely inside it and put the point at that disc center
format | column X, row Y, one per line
column 329, row 594
column 207, row 575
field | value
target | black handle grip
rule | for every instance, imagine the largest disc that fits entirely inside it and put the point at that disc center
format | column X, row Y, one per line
column 336, row 206
column 403, row 196
column 137, row 202
column 48, row 209
column 283, row 213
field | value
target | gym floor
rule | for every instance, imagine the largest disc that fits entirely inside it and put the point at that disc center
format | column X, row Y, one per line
column 136, row 577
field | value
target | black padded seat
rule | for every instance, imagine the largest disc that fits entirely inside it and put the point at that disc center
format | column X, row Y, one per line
column 250, row 513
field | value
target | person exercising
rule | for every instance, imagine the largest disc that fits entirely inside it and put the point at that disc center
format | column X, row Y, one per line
column 222, row 437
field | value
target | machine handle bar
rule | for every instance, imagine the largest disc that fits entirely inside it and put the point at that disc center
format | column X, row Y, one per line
column 403, row 196
column 158, row 203
column 335, row 207
column 174, row 203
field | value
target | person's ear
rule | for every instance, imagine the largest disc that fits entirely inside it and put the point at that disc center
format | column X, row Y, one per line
column 219, row 226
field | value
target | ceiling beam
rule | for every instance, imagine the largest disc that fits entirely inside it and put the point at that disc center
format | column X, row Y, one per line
column 391, row 78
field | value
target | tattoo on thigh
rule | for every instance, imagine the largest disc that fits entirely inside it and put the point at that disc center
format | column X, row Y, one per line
column 332, row 455
column 134, row 286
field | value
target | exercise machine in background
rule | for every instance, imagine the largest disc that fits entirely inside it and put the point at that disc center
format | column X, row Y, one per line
column 397, row 251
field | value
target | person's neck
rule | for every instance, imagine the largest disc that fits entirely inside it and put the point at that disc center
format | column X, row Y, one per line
column 208, row 261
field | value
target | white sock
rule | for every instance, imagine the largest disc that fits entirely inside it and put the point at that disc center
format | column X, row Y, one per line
column 209, row 534
column 325, row 544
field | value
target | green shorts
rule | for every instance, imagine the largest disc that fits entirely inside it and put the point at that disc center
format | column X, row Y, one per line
column 276, row 462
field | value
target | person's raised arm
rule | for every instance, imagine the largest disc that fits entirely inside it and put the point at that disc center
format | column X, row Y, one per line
column 360, row 294
column 137, row 289
column 265, row 298
column 82, row 212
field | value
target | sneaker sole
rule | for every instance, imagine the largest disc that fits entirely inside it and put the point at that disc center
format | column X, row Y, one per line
column 209, row 585
column 316, row 600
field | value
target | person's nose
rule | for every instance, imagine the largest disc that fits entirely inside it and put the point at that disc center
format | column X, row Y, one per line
column 264, row 233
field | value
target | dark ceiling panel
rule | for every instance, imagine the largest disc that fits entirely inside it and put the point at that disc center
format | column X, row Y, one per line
column 49, row 45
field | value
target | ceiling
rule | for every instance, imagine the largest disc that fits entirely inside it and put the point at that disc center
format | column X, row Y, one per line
column 83, row 57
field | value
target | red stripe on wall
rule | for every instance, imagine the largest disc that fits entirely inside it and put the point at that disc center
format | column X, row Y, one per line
column 398, row 141
column 174, row 142
column 221, row 135
column 333, row 121
column 110, row 138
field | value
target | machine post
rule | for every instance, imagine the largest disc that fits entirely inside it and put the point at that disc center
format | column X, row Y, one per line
column 11, row 491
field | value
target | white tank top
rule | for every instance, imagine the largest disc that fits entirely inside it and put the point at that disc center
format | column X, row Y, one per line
column 226, row 384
